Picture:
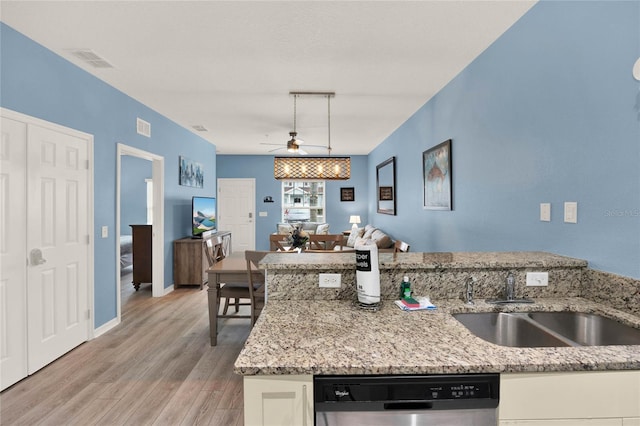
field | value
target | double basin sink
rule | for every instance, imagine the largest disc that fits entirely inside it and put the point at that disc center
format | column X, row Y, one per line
column 539, row 329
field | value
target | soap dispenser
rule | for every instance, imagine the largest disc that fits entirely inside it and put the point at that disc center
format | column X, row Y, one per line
column 405, row 288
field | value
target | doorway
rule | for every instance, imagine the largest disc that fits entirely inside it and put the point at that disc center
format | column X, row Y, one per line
column 236, row 211
column 157, row 214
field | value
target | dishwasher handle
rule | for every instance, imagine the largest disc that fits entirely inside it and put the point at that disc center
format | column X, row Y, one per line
column 408, row 405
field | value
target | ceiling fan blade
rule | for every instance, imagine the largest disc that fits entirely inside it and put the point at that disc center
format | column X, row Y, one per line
column 302, row 151
column 316, row 146
column 276, row 149
column 272, row 144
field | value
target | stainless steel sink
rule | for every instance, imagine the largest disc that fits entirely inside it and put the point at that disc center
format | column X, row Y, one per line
column 508, row 329
column 588, row 329
column 539, row 329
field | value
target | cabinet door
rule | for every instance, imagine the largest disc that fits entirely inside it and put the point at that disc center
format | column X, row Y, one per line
column 573, row 396
column 278, row 400
column 563, row 422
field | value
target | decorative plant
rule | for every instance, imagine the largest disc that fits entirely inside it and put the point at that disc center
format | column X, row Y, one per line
column 298, row 237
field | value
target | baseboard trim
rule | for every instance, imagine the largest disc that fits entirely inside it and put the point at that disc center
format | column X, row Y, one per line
column 105, row 327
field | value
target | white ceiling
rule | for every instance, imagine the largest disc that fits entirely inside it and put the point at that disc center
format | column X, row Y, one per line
column 230, row 65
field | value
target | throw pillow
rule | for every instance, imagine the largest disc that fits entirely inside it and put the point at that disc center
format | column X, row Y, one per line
column 382, row 240
column 351, row 241
column 322, row 229
column 362, row 242
column 284, row 229
column 368, row 231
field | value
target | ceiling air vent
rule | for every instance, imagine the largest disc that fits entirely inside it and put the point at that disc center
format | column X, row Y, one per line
column 200, row 128
column 143, row 127
column 90, row 57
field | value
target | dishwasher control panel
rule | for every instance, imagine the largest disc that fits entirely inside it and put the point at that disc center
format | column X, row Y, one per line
column 431, row 392
column 414, row 390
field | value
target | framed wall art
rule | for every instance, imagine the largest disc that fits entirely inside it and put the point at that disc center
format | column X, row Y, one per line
column 436, row 173
column 191, row 173
column 386, row 186
column 347, row 194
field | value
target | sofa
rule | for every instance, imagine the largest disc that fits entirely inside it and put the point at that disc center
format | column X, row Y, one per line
column 369, row 232
column 310, row 227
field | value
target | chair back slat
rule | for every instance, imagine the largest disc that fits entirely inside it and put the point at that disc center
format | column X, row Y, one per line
column 213, row 249
column 278, row 242
column 325, row 241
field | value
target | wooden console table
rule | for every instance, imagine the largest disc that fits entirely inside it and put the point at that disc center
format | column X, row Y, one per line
column 190, row 260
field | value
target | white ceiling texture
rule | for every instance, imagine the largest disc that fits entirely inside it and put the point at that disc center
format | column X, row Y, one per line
column 230, row 65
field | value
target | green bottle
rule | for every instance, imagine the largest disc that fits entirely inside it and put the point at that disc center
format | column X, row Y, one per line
column 405, row 288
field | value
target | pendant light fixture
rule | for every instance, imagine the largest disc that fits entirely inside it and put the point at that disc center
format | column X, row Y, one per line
column 293, row 145
column 324, row 168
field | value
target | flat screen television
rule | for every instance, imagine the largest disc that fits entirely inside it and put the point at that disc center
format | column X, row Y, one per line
column 203, row 216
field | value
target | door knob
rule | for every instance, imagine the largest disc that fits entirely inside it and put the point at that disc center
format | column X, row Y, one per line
column 35, row 257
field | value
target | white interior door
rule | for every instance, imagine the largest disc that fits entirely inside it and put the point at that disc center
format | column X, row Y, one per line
column 57, row 244
column 13, row 280
column 237, row 210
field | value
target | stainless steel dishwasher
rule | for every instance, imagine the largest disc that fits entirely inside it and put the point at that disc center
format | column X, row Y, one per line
column 456, row 400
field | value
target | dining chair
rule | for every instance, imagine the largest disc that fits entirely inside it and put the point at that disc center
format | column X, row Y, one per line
column 214, row 250
column 256, row 280
column 400, row 246
column 326, row 241
column 278, row 242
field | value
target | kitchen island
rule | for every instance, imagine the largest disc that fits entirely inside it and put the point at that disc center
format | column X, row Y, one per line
column 306, row 331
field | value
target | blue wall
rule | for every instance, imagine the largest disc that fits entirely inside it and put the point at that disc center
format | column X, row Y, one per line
column 133, row 192
column 549, row 113
column 39, row 83
column 260, row 167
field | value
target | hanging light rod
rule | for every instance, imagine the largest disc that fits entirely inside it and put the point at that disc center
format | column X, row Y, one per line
column 307, row 93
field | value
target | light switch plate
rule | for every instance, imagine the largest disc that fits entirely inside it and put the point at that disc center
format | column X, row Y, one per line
column 571, row 212
column 545, row 212
column 262, row 214
column 537, row 279
column 105, row 231
column 330, row 280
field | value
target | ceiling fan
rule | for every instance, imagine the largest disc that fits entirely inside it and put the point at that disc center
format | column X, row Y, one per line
column 293, row 144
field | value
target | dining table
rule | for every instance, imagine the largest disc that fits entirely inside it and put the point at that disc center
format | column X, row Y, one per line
column 232, row 268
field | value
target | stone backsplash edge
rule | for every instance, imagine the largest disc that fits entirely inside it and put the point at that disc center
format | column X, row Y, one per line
column 616, row 291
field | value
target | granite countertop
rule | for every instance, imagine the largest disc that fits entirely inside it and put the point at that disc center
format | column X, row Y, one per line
column 458, row 260
column 336, row 337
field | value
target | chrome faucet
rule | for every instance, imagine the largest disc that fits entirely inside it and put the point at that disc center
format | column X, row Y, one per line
column 510, row 285
column 469, row 290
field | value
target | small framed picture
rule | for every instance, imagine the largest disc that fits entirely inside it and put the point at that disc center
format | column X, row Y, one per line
column 347, row 194
column 436, row 173
column 386, row 193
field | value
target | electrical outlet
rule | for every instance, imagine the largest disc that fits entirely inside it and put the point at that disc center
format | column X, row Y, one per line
column 545, row 212
column 330, row 280
column 537, row 279
column 571, row 212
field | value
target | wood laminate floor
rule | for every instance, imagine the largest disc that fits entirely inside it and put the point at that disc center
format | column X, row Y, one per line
column 156, row 367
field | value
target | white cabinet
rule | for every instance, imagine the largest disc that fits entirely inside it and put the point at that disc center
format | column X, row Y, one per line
column 595, row 398
column 278, row 400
